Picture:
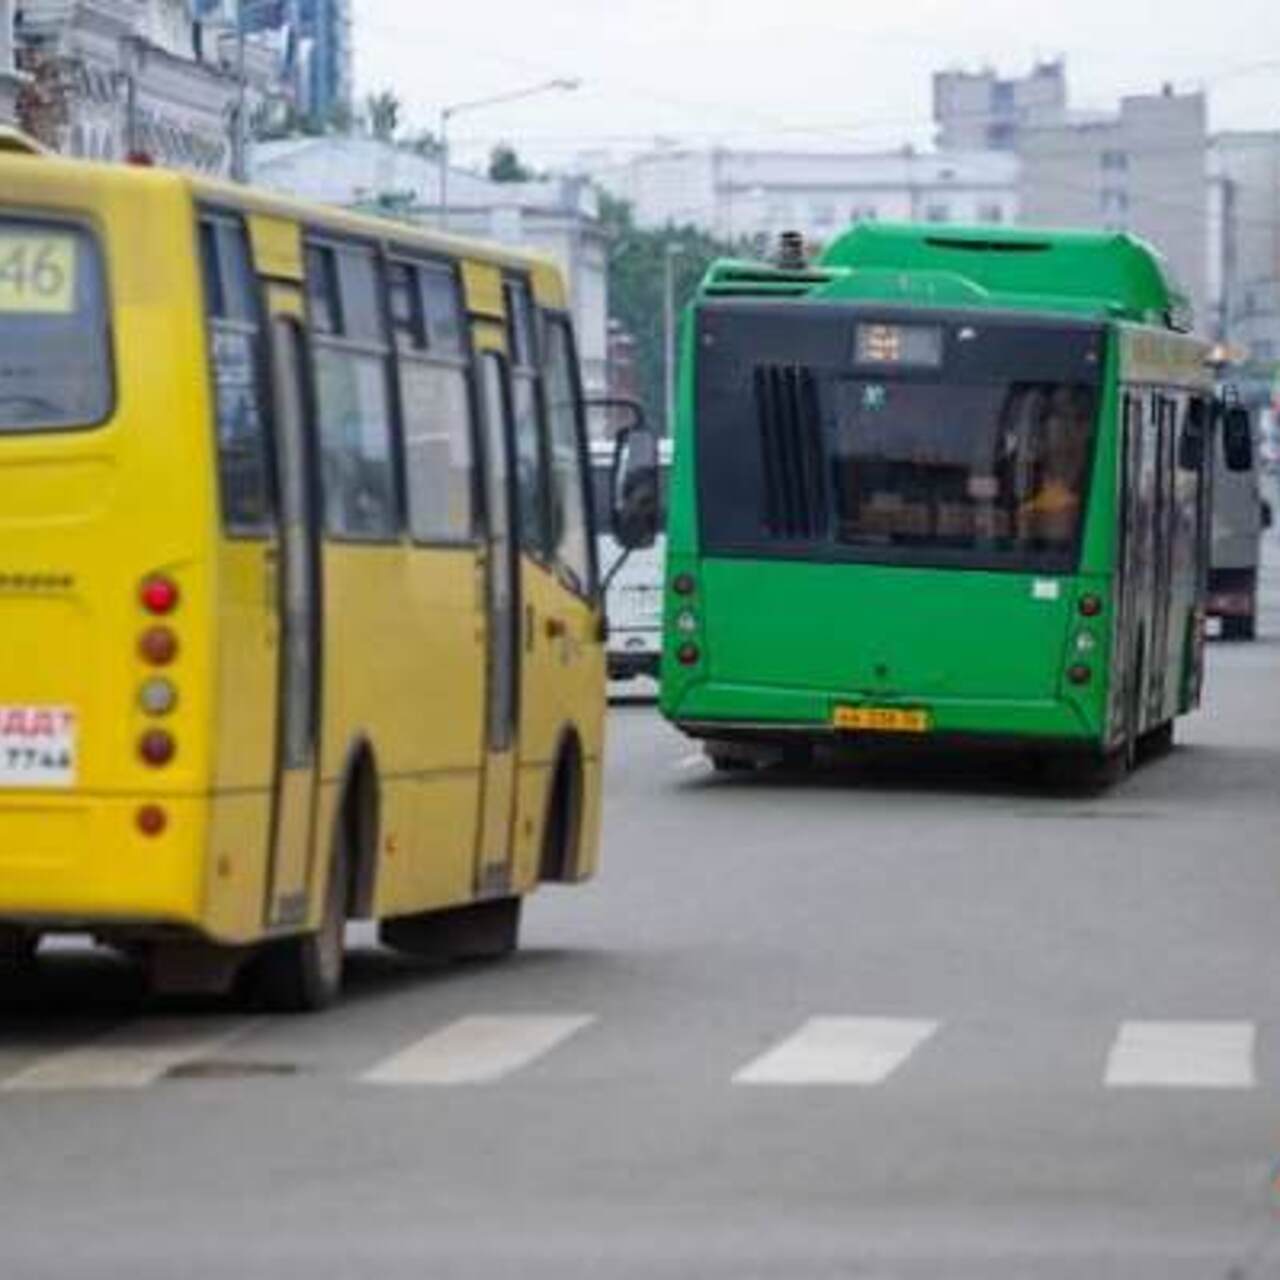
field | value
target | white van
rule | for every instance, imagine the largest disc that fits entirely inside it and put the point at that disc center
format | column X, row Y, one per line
column 633, row 602
column 1240, row 514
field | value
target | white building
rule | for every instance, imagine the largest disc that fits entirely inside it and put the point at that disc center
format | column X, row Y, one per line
column 1244, row 231
column 736, row 194
column 981, row 111
column 557, row 216
column 1142, row 169
column 111, row 78
column 9, row 82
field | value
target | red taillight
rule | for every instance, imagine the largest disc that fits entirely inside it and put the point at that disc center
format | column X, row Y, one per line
column 157, row 747
column 1078, row 673
column 1090, row 605
column 687, row 655
column 158, row 646
column 683, row 584
column 159, row 595
column 152, row 820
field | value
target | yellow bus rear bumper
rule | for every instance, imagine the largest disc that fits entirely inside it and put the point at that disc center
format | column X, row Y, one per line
column 81, row 862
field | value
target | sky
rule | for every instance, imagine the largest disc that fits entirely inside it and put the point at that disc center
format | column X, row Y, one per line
column 804, row 74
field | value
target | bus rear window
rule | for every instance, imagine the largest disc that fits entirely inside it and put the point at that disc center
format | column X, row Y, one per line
column 55, row 368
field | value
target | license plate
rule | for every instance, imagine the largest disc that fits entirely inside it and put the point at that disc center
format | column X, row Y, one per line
column 37, row 746
column 881, row 719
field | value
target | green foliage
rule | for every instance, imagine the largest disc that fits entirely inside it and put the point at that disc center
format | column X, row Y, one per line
column 506, row 166
column 341, row 118
column 637, row 263
column 426, row 144
column 383, row 111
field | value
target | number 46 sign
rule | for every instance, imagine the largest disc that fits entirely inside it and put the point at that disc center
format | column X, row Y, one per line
column 37, row 273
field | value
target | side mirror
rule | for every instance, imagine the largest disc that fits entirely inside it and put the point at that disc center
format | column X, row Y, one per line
column 611, row 417
column 1237, row 438
column 635, row 488
column 1191, row 441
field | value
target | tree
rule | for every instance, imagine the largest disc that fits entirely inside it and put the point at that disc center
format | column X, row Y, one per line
column 506, row 166
column 426, row 144
column 383, row 110
column 340, row 118
column 637, row 264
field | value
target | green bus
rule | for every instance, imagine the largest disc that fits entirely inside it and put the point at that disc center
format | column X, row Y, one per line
column 944, row 482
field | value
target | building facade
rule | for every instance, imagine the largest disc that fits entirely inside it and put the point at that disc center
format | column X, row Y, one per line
column 558, row 216
column 980, row 111
column 1244, row 253
column 315, row 40
column 9, row 82
column 753, row 195
column 110, row 79
column 1142, row 170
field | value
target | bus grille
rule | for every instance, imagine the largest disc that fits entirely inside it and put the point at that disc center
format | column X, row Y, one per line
column 791, row 451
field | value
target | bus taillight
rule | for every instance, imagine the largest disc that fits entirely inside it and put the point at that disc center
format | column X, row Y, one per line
column 152, row 820
column 1079, row 673
column 687, row 655
column 1090, row 605
column 683, row 584
column 157, row 697
column 157, row 747
column 159, row 595
column 158, row 646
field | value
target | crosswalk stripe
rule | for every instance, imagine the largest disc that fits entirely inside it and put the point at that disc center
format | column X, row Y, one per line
column 1190, row 1055
column 858, row 1051
column 130, row 1056
column 477, row 1049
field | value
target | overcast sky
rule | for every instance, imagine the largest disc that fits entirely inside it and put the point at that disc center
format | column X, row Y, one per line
column 802, row 73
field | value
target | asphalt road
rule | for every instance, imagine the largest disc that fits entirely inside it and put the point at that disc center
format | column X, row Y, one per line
column 897, row 1021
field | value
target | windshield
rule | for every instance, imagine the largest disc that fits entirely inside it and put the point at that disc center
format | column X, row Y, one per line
column 958, row 442
column 54, row 365
column 996, row 466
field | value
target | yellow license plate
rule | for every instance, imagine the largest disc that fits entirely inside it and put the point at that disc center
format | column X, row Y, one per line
column 882, row 719
column 37, row 272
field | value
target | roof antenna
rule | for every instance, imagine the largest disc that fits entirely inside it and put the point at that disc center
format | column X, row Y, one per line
column 791, row 256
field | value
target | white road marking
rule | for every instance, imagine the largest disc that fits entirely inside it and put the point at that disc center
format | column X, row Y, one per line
column 477, row 1050
column 130, row 1056
column 861, row 1051
column 1187, row 1055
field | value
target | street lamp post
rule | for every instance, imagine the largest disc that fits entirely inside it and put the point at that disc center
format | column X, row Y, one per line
column 669, row 335
column 561, row 83
column 240, row 137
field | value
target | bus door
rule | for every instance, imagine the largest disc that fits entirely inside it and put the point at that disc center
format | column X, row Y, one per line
column 1162, row 553
column 501, row 586
column 295, row 586
column 1130, row 589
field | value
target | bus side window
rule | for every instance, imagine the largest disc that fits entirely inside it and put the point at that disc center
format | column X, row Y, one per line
column 436, row 402
column 528, row 425
column 351, row 357
column 236, row 353
column 571, row 547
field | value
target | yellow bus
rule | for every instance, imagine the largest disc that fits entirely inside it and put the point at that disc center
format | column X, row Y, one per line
column 298, row 593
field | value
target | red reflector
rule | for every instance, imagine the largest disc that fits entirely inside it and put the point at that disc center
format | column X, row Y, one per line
column 157, row 747
column 152, row 820
column 1090, row 605
column 158, row 646
column 687, row 655
column 1078, row 673
column 159, row 595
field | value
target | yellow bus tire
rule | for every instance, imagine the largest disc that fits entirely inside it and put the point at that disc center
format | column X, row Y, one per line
column 479, row 931
column 304, row 973
column 18, row 946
